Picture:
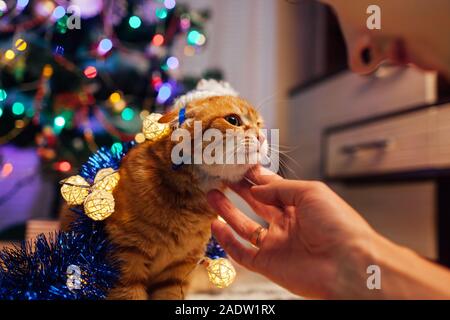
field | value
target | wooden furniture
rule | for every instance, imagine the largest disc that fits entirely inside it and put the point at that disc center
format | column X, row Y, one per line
column 380, row 142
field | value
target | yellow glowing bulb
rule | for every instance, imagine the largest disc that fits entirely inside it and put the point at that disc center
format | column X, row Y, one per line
column 115, row 97
column 99, row 205
column 106, row 179
column 74, row 190
column 221, row 272
column 140, row 137
column 9, row 54
column 20, row 124
column 20, row 44
column 47, row 71
column 152, row 129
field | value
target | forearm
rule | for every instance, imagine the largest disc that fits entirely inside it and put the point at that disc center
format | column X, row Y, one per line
column 404, row 274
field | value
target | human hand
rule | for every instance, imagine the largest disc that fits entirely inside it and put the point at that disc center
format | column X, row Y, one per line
column 312, row 236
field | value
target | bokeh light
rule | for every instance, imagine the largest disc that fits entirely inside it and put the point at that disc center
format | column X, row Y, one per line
column 161, row 13
column 170, row 4
column 9, row 54
column 21, row 4
column 7, row 169
column 63, row 166
column 158, row 40
column 117, row 147
column 104, row 46
column 47, row 71
column 164, row 93
column 115, row 97
column 127, row 114
column 90, row 72
column 18, row 108
column 59, row 12
column 135, row 22
column 60, row 121
column 3, row 95
column 20, row 44
column 3, row 7
column 172, row 63
column 193, row 37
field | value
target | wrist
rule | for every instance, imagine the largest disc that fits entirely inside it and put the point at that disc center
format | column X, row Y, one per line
column 359, row 259
column 403, row 274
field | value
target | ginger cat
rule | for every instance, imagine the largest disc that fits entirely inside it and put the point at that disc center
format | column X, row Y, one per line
column 161, row 222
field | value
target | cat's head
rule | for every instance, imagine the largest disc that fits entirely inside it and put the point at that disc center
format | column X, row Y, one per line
column 225, row 131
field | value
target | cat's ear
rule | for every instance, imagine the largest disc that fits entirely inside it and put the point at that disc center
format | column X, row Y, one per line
column 170, row 117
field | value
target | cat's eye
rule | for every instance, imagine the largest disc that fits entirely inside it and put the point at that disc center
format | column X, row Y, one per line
column 234, row 120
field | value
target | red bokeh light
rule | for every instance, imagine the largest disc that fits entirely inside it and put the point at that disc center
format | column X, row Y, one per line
column 63, row 166
column 158, row 40
column 90, row 72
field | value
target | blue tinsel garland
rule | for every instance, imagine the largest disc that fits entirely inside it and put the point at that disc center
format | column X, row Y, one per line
column 37, row 270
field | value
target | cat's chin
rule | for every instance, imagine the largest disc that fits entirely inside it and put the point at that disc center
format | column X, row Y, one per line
column 226, row 172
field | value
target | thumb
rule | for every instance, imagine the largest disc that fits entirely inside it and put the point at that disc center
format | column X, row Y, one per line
column 281, row 193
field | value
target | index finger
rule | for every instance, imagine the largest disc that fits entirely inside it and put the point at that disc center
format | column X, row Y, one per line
column 267, row 212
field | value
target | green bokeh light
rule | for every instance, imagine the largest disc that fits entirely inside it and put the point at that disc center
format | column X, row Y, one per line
column 1, row 112
column 116, row 148
column 135, row 22
column 18, row 108
column 161, row 13
column 193, row 36
column 60, row 121
column 3, row 95
column 127, row 114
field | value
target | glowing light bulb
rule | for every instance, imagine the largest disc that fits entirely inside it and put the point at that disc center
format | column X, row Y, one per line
column 134, row 22
column 19, row 124
column 90, row 72
column 106, row 179
column 172, row 63
column 47, row 71
column 116, row 148
column 9, row 54
column 201, row 40
column 170, row 4
column 221, row 272
column 63, row 166
column 7, row 169
column 127, row 114
column 59, row 12
column 3, row 7
column 164, row 93
column 18, row 108
column 161, row 13
column 59, row 121
column 3, row 95
column 139, row 138
column 158, row 40
column 104, row 46
column 74, row 190
column 115, row 97
column 20, row 44
column 21, row 4
column 193, row 37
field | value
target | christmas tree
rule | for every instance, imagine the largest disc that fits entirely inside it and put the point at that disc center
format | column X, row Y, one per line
column 76, row 75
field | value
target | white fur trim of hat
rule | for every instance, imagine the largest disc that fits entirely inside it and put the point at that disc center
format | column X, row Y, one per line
column 205, row 89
